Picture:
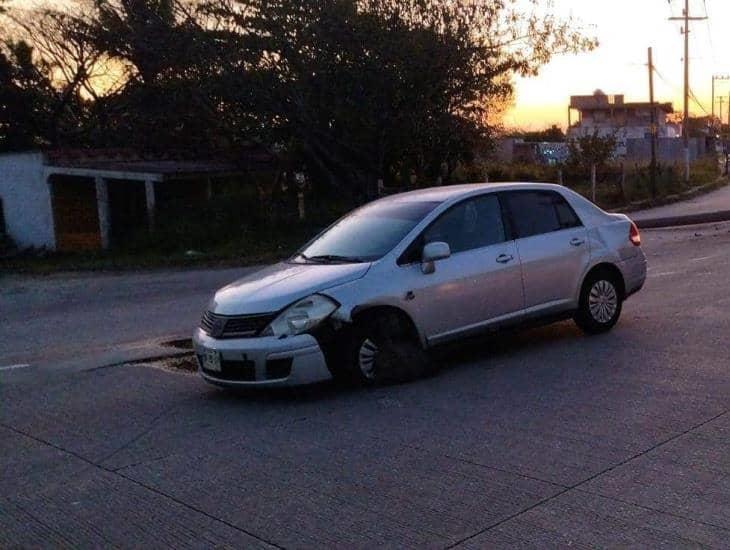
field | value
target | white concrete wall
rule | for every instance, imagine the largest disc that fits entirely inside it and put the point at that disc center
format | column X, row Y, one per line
column 26, row 200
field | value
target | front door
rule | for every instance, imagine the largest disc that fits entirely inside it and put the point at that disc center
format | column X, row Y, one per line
column 480, row 281
column 553, row 247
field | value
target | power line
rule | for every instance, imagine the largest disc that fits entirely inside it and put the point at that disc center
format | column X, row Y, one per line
column 709, row 32
column 666, row 81
column 686, row 19
column 697, row 102
column 715, row 78
column 677, row 89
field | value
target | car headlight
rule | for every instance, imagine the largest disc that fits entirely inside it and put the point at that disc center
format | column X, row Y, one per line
column 302, row 316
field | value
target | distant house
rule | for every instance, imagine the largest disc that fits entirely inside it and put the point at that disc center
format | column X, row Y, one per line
column 610, row 114
column 531, row 152
column 70, row 200
column 542, row 152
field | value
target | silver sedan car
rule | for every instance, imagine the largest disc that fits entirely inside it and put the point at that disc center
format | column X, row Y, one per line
column 367, row 298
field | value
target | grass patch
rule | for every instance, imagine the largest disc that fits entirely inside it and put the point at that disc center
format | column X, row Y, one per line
column 232, row 254
column 617, row 186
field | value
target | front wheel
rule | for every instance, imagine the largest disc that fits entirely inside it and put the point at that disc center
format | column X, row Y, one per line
column 600, row 304
column 385, row 349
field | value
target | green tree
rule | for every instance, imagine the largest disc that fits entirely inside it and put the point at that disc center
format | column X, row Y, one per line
column 26, row 99
column 375, row 89
column 46, row 68
column 166, row 100
column 142, row 32
column 553, row 134
column 591, row 150
column 21, row 105
column 358, row 89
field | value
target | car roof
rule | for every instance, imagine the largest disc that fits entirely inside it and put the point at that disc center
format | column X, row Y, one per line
column 451, row 192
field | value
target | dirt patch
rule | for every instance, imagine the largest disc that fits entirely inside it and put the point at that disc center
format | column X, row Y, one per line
column 186, row 364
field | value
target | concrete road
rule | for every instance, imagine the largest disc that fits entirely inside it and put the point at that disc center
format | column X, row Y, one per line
column 544, row 438
column 716, row 201
column 71, row 317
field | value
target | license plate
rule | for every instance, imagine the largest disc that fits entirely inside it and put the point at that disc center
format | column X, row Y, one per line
column 212, row 360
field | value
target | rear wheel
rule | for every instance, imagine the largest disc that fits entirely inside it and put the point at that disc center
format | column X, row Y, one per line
column 385, row 349
column 601, row 300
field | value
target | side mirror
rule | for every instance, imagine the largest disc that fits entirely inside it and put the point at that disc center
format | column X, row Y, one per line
column 434, row 252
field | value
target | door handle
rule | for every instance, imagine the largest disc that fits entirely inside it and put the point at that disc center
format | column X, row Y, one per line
column 505, row 258
column 577, row 242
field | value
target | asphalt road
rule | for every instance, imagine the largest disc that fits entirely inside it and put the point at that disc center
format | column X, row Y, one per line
column 544, row 438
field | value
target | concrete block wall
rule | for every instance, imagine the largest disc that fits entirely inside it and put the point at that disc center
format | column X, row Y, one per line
column 26, row 200
column 669, row 150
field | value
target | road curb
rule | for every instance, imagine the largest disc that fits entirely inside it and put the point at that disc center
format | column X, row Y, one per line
column 691, row 219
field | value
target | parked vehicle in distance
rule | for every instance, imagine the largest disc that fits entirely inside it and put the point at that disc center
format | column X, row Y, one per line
column 368, row 297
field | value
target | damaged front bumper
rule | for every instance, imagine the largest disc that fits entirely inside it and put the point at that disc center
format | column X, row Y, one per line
column 260, row 362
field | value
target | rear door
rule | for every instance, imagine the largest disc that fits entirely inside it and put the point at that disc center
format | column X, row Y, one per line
column 552, row 244
column 480, row 281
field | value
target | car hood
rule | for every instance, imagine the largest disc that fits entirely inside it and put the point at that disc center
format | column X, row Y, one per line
column 280, row 285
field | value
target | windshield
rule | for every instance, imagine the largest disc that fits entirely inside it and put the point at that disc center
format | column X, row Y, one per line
column 367, row 234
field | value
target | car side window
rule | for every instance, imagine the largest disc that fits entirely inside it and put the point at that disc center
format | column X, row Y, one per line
column 474, row 223
column 566, row 215
column 539, row 212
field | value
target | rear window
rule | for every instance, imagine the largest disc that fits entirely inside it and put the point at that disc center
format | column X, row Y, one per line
column 539, row 212
column 567, row 218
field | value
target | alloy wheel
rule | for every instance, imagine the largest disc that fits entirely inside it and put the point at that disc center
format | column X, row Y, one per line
column 367, row 359
column 603, row 301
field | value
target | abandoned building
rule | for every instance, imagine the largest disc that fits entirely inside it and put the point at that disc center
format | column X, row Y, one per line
column 94, row 200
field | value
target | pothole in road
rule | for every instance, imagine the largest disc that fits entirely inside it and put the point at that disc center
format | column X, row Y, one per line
column 182, row 343
column 185, row 364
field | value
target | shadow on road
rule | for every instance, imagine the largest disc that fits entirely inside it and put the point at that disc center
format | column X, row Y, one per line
column 308, row 393
column 506, row 342
column 448, row 357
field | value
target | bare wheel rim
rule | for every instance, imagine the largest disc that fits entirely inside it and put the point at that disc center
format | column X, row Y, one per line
column 603, row 301
column 366, row 359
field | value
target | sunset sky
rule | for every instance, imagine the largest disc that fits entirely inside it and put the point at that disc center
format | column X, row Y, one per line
column 625, row 28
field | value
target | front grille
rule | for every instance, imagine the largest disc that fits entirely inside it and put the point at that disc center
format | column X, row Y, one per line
column 238, row 326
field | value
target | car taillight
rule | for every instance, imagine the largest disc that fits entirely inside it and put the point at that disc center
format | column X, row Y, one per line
column 634, row 235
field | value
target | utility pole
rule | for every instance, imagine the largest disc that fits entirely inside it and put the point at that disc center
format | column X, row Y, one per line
column 686, row 18
column 716, row 77
column 721, row 100
column 652, row 168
